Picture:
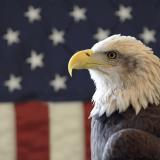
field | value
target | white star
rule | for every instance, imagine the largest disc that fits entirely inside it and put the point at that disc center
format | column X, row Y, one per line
column 13, row 83
column 11, row 36
column 101, row 34
column 59, row 82
column 124, row 13
column 33, row 14
column 35, row 60
column 78, row 13
column 57, row 37
column 148, row 35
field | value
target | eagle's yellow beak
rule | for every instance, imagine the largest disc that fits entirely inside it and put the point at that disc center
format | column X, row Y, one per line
column 83, row 60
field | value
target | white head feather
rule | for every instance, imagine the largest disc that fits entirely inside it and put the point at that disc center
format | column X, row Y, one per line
column 133, row 81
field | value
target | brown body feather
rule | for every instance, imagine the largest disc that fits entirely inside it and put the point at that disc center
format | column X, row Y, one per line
column 127, row 136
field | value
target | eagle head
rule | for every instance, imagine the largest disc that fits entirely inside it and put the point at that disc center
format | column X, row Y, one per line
column 125, row 72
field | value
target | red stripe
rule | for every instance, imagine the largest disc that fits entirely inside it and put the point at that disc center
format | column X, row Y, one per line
column 32, row 131
column 87, row 123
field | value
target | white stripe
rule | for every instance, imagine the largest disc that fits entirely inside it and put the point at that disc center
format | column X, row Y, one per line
column 66, row 131
column 7, row 132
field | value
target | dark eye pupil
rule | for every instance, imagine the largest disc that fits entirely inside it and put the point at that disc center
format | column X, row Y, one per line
column 111, row 55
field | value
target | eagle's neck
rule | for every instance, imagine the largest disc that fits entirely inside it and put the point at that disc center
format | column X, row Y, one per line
column 113, row 95
column 105, row 97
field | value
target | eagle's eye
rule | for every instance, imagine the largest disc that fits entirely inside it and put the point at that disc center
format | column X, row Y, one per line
column 111, row 54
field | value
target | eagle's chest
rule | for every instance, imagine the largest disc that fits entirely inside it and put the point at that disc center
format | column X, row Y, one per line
column 102, row 128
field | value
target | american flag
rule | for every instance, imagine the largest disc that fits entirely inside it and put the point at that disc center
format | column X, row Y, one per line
column 43, row 112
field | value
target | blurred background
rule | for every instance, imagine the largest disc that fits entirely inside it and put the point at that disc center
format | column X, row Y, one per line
column 43, row 111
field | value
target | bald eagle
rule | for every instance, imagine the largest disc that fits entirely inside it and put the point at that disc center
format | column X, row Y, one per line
column 126, row 115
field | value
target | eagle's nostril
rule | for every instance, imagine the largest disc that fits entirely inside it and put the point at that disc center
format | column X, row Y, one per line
column 87, row 54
